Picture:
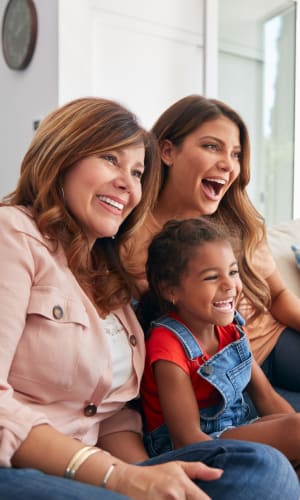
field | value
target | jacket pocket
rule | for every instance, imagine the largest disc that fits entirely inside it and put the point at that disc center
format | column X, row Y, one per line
column 53, row 336
column 50, row 303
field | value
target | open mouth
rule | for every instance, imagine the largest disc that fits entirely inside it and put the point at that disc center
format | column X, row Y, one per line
column 213, row 186
column 224, row 305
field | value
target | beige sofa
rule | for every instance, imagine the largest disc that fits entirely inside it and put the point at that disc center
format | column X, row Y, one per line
column 280, row 238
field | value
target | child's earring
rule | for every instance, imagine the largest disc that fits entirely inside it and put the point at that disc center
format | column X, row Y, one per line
column 173, row 302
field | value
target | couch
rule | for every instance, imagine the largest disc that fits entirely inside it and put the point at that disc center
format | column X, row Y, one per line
column 281, row 237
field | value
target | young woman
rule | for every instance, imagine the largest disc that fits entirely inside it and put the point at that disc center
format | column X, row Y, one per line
column 205, row 170
column 197, row 357
column 71, row 349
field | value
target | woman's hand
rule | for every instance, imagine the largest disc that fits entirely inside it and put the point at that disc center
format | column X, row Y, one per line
column 170, row 481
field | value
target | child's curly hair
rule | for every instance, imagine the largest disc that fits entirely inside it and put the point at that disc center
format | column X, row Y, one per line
column 168, row 257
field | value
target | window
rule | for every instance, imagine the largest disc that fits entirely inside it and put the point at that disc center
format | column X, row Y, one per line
column 257, row 77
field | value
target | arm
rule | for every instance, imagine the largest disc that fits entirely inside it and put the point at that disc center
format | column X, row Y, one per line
column 285, row 304
column 178, row 403
column 17, row 275
column 267, row 401
column 170, row 480
column 117, row 444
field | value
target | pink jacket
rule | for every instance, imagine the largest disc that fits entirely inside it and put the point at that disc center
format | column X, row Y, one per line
column 54, row 358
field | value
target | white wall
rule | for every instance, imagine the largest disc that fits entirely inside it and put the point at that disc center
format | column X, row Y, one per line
column 144, row 54
column 27, row 95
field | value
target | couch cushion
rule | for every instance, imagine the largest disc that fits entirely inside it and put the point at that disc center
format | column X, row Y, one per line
column 280, row 238
column 296, row 251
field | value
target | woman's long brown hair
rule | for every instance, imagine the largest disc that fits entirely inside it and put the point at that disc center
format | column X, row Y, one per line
column 82, row 128
column 235, row 211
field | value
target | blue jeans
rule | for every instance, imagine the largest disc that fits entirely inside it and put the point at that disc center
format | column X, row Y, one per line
column 29, row 484
column 252, row 471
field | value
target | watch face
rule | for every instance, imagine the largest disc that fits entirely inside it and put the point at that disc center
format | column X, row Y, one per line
column 19, row 30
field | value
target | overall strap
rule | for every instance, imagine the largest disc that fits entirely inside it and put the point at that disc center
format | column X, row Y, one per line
column 239, row 322
column 184, row 335
column 238, row 319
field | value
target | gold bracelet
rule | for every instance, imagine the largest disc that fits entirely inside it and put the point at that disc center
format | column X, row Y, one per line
column 107, row 475
column 74, row 458
column 77, row 460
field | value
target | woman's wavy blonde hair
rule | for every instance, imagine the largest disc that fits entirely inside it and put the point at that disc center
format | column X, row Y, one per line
column 79, row 129
column 235, row 210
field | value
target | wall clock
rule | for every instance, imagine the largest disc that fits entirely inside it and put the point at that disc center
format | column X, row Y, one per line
column 19, row 33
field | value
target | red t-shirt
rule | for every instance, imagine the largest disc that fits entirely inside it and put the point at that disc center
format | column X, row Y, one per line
column 163, row 344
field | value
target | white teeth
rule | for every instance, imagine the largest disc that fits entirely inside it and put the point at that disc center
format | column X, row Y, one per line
column 224, row 304
column 218, row 181
column 111, row 202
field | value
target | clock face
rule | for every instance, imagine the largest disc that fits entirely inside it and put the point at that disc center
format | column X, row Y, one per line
column 19, row 30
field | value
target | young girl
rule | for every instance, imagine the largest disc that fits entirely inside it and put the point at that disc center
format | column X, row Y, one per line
column 198, row 356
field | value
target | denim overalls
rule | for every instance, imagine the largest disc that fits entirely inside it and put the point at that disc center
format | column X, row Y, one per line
column 229, row 371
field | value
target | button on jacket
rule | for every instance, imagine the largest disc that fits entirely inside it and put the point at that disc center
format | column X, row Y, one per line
column 54, row 357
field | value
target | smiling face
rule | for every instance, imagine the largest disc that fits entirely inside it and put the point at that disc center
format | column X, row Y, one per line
column 202, row 168
column 209, row 290
column 101, row 191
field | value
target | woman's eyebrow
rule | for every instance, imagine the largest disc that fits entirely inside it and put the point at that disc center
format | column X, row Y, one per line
column 220, row 141
column 122, row 153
